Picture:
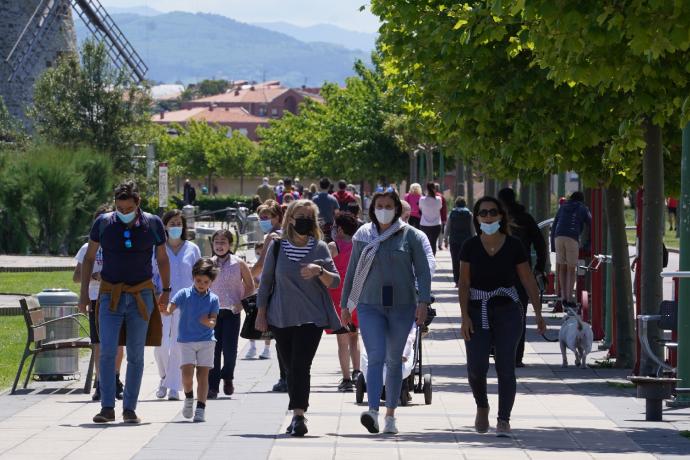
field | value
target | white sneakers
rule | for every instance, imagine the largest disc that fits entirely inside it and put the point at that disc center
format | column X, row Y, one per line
column 389, row 425
column 162, row 391
column 173, row 395
column 187, row 409
column 266, row 354
column 200, row 415
column 251, row 353
column 370, row 420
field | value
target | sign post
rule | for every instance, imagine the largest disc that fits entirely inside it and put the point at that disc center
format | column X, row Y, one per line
column 162, row 186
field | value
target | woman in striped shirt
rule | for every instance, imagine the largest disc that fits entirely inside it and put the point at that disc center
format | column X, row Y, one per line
column 294, row 303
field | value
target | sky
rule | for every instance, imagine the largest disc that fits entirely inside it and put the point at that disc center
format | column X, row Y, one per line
column 343, row 13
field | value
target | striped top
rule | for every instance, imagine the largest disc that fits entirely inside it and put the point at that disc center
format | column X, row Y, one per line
column 296, row 253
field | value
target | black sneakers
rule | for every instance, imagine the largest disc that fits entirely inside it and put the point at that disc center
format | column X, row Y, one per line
column 228, row 387
column 119, row 388
column 129, row 416
column 281, row 386
column 345, row 386
column 298, row 427
column 212, row 394
column 107, row 414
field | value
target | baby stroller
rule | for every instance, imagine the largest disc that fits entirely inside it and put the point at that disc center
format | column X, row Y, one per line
column 413, row 376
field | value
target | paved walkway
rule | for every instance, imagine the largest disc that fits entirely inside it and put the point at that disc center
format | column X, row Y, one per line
column 559, row 414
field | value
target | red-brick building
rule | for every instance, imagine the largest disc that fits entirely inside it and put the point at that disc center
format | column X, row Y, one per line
column 235, row 118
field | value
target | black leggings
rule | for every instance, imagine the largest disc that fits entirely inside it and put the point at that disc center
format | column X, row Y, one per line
column 432, row 233
column 227, row 332
column 297, row 346
column 505, row 327
column 455, row 259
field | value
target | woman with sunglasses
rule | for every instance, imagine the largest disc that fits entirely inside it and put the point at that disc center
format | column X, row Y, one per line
column 491, row 264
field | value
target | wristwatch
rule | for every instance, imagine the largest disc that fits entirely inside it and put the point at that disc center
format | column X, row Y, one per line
column 168, row 289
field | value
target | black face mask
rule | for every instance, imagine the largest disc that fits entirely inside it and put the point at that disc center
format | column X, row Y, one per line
column 304, row 225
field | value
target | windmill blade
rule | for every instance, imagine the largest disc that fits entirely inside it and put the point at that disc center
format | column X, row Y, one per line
column 99, row 22
column 40, row 21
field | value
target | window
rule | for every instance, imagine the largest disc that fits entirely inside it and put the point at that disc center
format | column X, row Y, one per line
column 243, row 131
column 262, row 111
column 274, row 112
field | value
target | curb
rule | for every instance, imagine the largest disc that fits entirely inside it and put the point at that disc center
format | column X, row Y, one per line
column 35, row 269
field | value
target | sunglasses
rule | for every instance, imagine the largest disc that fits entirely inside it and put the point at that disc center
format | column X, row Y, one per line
column 128, row 238
column 493, row 212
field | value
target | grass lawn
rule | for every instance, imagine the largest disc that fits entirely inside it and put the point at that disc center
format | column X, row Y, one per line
column 670, row 239
column 12, row 340
column 34, row 282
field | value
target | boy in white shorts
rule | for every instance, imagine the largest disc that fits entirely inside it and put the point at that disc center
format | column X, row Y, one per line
column 199, row 309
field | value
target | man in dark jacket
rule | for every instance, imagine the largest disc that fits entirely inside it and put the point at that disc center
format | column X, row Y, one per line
column 459, row 228
column 568, row 224
column 525, row 228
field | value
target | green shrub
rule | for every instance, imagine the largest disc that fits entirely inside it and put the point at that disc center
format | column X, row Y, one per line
column 216, row 202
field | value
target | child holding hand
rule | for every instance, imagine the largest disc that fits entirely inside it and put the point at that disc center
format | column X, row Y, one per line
column 199, row 309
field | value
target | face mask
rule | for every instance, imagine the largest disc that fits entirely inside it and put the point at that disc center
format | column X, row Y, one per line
column 126, row 218
column 265, row 225
column 491, row 228
column 304, row 225
column 175, row 233
column 384, row 216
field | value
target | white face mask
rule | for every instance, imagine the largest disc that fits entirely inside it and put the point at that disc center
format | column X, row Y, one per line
column 384, row 216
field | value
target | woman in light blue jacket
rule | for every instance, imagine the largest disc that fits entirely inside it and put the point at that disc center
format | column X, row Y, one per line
column 387, row 257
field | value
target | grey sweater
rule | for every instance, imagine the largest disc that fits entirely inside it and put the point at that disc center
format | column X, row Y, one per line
column 398, row 262
column 296, row 301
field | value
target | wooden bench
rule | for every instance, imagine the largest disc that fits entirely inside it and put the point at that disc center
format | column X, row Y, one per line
column 36, row 342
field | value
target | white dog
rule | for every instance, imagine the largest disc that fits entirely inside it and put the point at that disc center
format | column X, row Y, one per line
column 576, row 335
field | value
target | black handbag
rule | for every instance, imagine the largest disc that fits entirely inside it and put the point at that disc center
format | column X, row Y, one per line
column 249, row 330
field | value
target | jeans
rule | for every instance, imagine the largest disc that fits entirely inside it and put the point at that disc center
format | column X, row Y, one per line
column 505, row 326
column 110, row 322
column 432, row 233
column 227, row 334
column 297, row 346
column 384, row 333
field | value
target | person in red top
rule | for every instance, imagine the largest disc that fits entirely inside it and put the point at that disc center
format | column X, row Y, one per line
column 348, row 344
column 444, row 214
column 672, row 207
column 343, row 196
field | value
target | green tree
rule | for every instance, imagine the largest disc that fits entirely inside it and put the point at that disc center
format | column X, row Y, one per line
column 636, row 49
column 11, row 132
column 87, row 101
column 235, row 156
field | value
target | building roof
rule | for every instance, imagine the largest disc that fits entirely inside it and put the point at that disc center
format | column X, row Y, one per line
column 260, row 94
column 220, row 115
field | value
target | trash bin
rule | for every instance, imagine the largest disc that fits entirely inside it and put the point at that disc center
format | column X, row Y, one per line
column 58, row 364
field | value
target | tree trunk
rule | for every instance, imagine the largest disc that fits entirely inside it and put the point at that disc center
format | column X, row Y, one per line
column 470, row 186
column 459, row 178
column 414, row 175
column 242, row 183
column 524, row 195
column 542, row 200
column 429, row 156
column 625, row 331
column 489, row 187
column 652, row 236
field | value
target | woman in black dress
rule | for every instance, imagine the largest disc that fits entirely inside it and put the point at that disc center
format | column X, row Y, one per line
column 491, row 264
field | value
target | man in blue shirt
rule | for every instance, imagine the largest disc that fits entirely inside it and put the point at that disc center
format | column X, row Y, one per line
column 127, row 238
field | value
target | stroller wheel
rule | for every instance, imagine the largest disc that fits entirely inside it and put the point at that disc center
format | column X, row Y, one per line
column 404, row 394
column 360, row 389
column 427, row 388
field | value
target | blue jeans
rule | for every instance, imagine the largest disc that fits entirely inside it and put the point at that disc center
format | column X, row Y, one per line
column 110, row 323
column 384, row 332
column 227, row 333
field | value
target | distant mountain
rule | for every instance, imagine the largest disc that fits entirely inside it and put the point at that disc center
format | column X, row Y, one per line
column 140, row 10
column 189, row 47
column 325, row 33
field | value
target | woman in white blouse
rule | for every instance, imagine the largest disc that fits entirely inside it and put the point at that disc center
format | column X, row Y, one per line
column 430, row 206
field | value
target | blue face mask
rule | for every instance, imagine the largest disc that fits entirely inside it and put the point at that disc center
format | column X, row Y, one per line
column 266, row 225
column 175, row 233
column 126, row 218
column 491, row 228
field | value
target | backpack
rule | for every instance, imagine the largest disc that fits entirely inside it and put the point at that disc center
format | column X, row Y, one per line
column 460, row 222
